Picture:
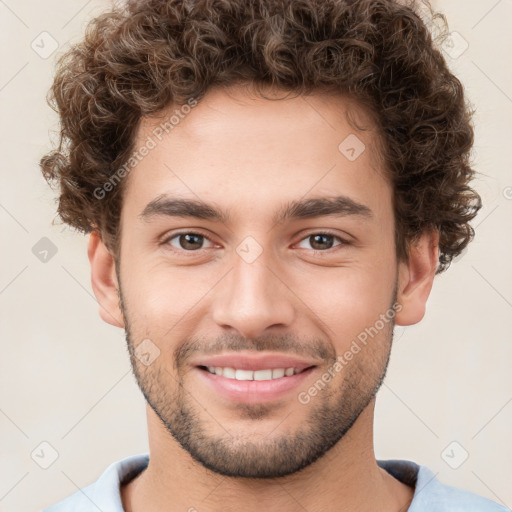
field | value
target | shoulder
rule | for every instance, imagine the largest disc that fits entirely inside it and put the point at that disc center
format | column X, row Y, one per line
column 80, row 501
column 446, row 498
column 104, row 493
column 432, row 495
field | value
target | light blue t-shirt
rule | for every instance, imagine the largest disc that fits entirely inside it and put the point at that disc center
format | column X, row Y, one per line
column 429, row 494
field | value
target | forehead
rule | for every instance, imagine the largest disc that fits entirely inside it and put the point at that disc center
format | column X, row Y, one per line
column 236, row 147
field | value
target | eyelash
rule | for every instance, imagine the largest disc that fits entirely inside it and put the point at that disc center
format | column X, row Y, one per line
column 166, row 241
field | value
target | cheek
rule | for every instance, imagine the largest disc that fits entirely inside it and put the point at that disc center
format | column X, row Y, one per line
column 160, row 297
column 349, row 300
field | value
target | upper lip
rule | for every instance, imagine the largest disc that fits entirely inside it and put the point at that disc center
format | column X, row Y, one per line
column 250, row 361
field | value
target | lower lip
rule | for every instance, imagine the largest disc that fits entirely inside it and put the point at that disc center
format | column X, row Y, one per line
column 253, row 391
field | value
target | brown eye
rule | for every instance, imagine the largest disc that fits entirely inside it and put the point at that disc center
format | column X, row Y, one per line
column 322, row 241
column 187, row 241
column 319, row 242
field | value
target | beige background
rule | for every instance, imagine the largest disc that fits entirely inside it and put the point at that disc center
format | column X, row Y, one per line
column 65, row 375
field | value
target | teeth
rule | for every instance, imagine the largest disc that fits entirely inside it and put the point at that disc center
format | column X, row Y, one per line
column 268, row 374
column 229, row 373
column 278, row 372
column 261, row 374
column 242, row 374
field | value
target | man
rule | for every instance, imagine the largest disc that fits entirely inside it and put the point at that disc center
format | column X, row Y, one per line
column 269, row 187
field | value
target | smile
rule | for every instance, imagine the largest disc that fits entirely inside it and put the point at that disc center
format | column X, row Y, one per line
column 264, row 374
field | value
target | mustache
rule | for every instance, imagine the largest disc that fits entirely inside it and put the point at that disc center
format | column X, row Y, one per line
column 285, row 343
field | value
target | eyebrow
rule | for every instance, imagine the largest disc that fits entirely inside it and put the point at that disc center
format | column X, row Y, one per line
column 341, row 206
column 165, row 205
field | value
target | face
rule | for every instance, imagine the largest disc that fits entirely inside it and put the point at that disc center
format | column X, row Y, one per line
column 251, row 241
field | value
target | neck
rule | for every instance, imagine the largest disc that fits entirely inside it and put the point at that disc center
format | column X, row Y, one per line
column 346, row 478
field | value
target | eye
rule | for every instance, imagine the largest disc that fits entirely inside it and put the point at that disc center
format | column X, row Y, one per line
column 193, row 242
column 188, row 241
column 322, row 241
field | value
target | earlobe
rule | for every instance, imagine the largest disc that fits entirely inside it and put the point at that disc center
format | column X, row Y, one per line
column 416, row 277
column 104, row 281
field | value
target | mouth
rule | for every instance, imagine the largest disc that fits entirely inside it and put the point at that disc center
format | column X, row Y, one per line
column 262, row 374
column 253, row 386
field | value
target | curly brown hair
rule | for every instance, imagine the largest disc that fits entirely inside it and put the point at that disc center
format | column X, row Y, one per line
column 144, row 55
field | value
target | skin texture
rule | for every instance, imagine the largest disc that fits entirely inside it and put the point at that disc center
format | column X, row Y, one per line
column 250, row 156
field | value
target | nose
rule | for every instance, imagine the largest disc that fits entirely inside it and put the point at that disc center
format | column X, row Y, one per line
column 252, row 298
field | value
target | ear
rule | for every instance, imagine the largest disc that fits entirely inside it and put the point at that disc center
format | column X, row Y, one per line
column 416, row 277
column 104, row 281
